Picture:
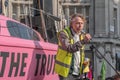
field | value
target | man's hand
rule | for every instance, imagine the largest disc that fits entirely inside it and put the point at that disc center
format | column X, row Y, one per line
column 87, row 38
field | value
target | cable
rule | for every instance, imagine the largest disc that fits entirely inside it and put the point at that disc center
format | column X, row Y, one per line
column 48, row 14
column 93, row 47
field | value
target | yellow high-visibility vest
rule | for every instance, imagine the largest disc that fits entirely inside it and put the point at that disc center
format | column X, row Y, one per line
column 64, row 58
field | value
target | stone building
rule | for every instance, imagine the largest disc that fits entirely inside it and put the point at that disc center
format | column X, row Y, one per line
column 17, row 9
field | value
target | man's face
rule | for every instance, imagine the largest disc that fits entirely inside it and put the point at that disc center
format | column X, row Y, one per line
column 77, row 24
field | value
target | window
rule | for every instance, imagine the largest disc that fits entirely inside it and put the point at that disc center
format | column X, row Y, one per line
column 21, row 31
column 33, row 34
column 13, row 29
column 50, row 33
column 36, row 4
column 115, row 21
column 118, row 61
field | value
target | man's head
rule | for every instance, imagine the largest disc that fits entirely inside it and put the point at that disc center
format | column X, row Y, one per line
column 77, row 22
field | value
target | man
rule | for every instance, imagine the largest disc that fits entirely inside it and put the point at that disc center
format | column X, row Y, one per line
column 70, row 55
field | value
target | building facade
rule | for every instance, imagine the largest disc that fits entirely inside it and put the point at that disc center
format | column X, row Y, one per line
column 17, row 9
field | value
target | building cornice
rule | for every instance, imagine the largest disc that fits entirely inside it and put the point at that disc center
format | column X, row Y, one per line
column 106, row 41
column 75, row 4
column 22, row 2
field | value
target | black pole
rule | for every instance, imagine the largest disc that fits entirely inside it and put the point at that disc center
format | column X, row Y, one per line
column 93, row 47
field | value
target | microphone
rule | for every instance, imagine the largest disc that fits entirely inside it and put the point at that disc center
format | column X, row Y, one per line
column 84, row 33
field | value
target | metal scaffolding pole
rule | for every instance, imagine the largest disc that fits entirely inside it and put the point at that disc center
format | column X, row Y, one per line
column 43, row 23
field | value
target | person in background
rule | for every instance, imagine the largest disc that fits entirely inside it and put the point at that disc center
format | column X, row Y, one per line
column 70, row 55
column 87, row 71
column 90, row 73
column 115, row 77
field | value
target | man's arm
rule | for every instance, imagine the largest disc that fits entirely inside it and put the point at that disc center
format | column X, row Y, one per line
column 66, row 45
